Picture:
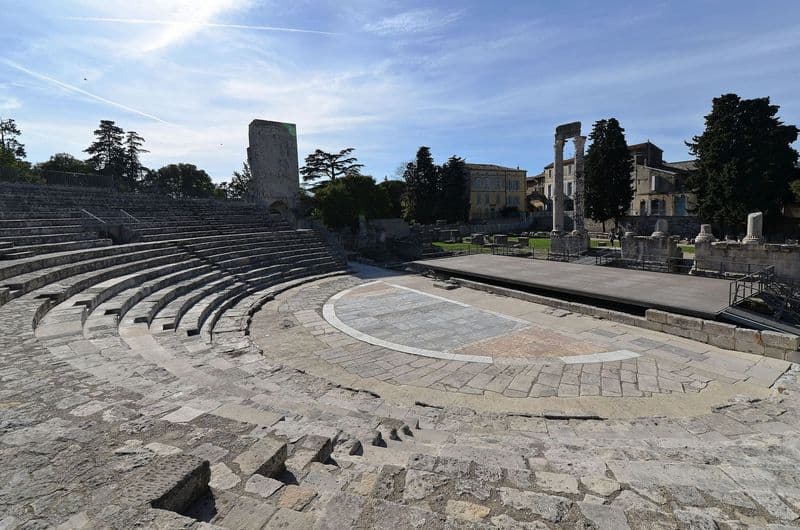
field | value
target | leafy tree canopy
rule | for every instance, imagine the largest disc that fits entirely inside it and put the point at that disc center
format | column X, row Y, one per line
column 179, row 181
column 320, row 164
column 66, row 163
column 396, row 190
column 339, row 202
column 745, row 161
column 239, row 186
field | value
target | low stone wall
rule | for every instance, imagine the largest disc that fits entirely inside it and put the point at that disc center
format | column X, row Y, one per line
column 683, row 226
column 572, row 244
column 727, row 336
column 649, row 248
column 734, row 257
column 767, row 343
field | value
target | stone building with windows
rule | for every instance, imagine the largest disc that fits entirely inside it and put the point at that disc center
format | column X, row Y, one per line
column 659, row 187
column 494, row 188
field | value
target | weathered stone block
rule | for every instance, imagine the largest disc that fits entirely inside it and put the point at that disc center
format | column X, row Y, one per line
column 650, row 324
column 775, row 353
column 719, row 329
column 749, row 340
column 793, row 356
column 311, row 448
column 656, row 315
column 171, row 483
column 725, row 342
column 700, row 336
column 265, row 457
column 684, row 322
column 784, row 341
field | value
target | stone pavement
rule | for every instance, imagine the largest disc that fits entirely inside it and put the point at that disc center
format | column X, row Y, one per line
column 108, row 423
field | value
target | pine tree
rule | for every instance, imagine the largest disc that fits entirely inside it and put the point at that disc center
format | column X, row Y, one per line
column 132, row 171
column 10, row 147
column 745, row 161
column 320, row 164
column 607, row 174
column 107, row 152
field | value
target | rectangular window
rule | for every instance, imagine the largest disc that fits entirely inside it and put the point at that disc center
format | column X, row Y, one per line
column 569, row 189
column 549, row 190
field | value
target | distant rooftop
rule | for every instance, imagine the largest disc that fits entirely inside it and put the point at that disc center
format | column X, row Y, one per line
column 492, row 166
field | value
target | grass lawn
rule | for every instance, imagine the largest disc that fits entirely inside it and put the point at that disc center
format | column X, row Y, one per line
column 538, row 243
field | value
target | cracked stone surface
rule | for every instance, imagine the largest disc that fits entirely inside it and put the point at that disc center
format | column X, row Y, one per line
column 683, row 436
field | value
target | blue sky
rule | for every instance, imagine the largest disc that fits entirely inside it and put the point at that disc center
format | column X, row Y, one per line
column 485, row 80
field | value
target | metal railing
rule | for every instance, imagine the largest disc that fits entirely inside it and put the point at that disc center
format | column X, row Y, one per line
column 56, row 178
column 750, row 285
column 492, row 248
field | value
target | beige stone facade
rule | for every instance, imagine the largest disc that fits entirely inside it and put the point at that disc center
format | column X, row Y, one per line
column 659, row 187
column 493, row 188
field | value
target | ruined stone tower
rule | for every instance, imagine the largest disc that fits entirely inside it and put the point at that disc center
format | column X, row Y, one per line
column 272, row 156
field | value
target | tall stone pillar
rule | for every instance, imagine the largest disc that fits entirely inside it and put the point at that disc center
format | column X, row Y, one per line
column 579, row 200
column 272, row 156
column 755, row 226
column 558, row 186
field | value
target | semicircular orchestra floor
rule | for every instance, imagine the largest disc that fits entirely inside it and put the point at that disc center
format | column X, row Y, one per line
column 399, row 330
column 421, row 323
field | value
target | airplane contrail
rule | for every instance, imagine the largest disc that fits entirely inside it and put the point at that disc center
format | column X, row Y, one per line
column 202, row 24
column 81, row 91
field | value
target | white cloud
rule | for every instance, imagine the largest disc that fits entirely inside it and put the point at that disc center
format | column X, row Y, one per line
column 416, row 21
column 9, row 103
column 170, row 21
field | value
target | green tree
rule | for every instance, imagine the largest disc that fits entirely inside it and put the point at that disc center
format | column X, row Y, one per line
column 422, row 188
column 179, row 181
column 65, row 163
column 239, row 186
column 339, row 202
column 132, row 166
column 107, row 153
column 794, row 186
column 454, row 196
column 221, row 191
column 607, row 180
column 10, row 147
column 396, row 190
column 744, row 161
column 320, row 164
column 12, row 153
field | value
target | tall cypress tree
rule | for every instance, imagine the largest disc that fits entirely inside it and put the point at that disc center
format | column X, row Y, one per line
column 132, row 165
column 745, row 161
column 422, row 188
column 454, row 199
column 607, row 174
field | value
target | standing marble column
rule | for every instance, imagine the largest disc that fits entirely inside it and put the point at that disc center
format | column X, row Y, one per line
column 579, row 206
column 558, row 187
column 755, row 226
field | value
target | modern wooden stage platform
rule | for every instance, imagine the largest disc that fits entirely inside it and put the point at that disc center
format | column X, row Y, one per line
column 677, row 293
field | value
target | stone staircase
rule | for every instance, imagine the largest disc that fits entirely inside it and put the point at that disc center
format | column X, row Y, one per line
column 144, row 403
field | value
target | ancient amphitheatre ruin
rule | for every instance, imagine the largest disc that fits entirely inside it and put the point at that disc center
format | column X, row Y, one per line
column 201, row 364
